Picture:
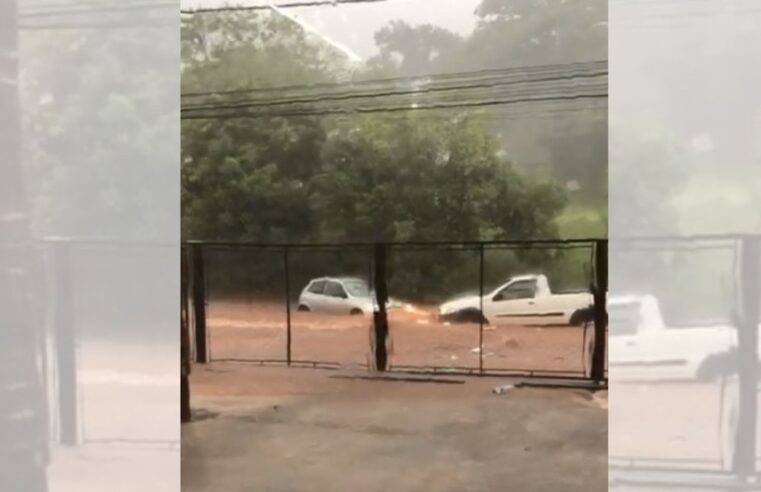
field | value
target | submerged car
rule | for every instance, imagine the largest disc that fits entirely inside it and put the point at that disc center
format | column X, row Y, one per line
column 339, row 295
column 526, row 299
column 644, row 347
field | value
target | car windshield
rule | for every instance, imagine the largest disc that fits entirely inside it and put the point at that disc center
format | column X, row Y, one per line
column 357, row 288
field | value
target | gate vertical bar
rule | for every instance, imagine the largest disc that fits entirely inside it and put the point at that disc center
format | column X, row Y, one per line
column 481, row 309
column 66, row 352
column 199, row 305
column 600, row 309
column 185, row 414
column 287, row 305
column 744, row 463
column 380, row 318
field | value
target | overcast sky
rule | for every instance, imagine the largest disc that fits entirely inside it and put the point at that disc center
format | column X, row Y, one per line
column 354, row 25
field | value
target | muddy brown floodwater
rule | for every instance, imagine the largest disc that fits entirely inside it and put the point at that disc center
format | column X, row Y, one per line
column 257, row 330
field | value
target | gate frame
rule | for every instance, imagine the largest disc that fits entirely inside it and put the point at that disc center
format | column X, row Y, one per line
column 380, row 250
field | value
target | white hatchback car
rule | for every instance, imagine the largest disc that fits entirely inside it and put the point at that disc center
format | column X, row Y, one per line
column 345, row 295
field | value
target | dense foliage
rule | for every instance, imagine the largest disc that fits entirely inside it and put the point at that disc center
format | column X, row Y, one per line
column 410, row 176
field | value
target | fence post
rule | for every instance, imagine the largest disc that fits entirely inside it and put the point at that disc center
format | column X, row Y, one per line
column 744, row 463
column 286, row 266
column 185, row 414
column 65, row 340
column 199, row 305
column 600, row 310
column 380, row 318
column 481, row 309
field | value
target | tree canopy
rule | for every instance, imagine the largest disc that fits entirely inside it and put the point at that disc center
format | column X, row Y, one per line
column 392, row 177
column 386, row 176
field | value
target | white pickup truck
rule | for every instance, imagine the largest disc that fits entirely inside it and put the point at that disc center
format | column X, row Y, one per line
column 525, row 299
column 642, row 347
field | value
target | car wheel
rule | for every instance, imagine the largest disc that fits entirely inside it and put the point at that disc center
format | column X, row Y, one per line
column 355, row 312
column 303, row 308
column 469, row 316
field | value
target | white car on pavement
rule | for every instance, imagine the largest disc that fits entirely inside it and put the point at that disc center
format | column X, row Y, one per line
column 525, row 299
column 339, row 295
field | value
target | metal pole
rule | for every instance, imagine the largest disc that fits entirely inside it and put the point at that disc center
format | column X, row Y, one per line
column 287, row 306
column 185, row 413
column 380, row 318
column 744, row 463
column 66, row 353
column 481, row 310
column 600, row 309
column 199, row 305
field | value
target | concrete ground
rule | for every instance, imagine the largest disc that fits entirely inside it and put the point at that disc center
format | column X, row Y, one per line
column 290, row 430
column 114, row 468
column 128, row 420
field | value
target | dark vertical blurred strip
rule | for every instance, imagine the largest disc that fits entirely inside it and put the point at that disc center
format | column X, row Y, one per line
column 287, row 272
column 185, row 414
column 380, row 318
column 481, row 308
column 64, row 330
column 199, row 304
column 600, row 310
column 23, row 412
column 750, row 278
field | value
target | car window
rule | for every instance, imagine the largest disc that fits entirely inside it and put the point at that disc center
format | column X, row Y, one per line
column 623, row 319
column 317, row 287
column 524, row 289
column 334, row 289
column 357, row 288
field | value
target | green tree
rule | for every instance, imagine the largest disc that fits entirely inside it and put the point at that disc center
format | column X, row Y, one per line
column 402, row 176
column 411, row 177
column 99, row 121
column 416, row 50
column 570, row 142
column 246, row 178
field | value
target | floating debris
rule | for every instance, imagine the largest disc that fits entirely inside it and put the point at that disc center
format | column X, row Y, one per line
column 499, row 390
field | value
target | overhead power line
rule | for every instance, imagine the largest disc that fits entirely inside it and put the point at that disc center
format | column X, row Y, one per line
column 506, row 113
column 391, row 109
column 561, row 68
column 390, row 93
column 97, row 26
column 285, row 5
column 58, row 10
column 466, row 89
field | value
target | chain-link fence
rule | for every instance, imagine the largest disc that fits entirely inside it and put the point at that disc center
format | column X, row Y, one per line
column 481, row 307
column 684, row 321
column 107, row 349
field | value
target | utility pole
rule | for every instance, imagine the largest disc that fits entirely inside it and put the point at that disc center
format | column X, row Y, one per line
column 23, row 408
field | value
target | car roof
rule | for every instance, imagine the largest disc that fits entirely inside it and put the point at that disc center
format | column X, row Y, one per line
column 337, row 279
column 631, row 299
column 525, row 276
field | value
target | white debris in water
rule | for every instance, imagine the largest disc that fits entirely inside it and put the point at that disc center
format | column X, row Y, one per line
column 502, row 389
